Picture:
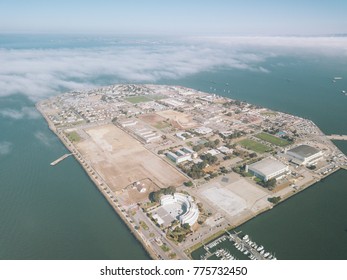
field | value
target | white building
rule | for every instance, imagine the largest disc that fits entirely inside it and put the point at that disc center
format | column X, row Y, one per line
column 203, row 130
column 191, row 213
column 304, row 155
column 267, row 169
column 180, row 155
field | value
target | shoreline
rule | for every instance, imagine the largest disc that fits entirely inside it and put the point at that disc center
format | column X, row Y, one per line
column 263, row 211
column 100, row 185
column 120, row 209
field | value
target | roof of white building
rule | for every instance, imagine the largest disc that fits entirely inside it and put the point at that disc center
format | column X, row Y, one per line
column 267, row 166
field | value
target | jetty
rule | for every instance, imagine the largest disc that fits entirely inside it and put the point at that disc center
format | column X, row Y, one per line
column 60, row 159
column 337, row 137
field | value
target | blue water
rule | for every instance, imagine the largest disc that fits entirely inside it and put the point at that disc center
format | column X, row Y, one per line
column 57, row 213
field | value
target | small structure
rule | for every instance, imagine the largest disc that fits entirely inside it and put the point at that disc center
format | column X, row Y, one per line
column 304, row 155
column 267, row 169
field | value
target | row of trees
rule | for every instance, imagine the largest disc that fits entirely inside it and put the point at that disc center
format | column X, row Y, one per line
column 208, row 144
column 155, row 196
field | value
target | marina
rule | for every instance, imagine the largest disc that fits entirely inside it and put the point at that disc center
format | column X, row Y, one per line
column 221, row 248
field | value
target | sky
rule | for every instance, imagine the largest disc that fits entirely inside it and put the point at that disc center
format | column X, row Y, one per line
column 175, row 17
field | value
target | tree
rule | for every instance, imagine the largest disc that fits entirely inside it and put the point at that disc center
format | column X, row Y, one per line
column 188, row 184
column 274, row 200
column 252, row 155
column 270, row 184
column 186, row 226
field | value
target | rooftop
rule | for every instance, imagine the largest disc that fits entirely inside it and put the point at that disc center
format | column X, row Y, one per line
column 267, row 166
column 304, row 151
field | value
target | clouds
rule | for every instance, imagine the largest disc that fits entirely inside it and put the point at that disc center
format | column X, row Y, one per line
column 5, row 148
column 23, row 113
column 43, row 138
column 39, row 73
column 336, row 46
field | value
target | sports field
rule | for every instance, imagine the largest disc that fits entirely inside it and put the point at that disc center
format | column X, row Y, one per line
column 254, row 146
column 272, row 139
column 138, row 99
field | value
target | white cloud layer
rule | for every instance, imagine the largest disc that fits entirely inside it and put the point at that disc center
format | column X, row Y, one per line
column 5, row 148
column 23, row 113
column 39, row 73
column 43, row 138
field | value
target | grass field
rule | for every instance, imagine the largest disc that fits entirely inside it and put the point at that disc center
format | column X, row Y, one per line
column 254, row 146
column 272, row 139
column 156, row 97
column 161, row 125
column 73, row 136
column 144, row 225
column 138, row 99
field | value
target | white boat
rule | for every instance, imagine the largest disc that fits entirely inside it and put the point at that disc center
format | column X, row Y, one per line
column 266, row 254
column 337, row 78
column 262, row 252
column 260, row 248
column 245, row 237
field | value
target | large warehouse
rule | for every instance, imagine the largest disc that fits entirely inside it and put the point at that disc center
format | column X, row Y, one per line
column 267, row 169
column 304, row 155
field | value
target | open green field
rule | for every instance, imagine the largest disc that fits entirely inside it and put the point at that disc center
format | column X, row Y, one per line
column 272, row 139
column 254, row 146
column 138, row 99
column 156, row 97
column 73, row 136
column 162, row 125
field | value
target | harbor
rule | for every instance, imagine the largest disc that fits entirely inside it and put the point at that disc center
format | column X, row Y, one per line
column 60, row 159
column 231, row 246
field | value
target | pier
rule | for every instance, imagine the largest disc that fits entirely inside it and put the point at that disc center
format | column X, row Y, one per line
column 337, row 137
column 60, row 159
column 245, row 245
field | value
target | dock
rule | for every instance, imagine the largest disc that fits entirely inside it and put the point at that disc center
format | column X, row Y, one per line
column 60, row 159
column 337, row 137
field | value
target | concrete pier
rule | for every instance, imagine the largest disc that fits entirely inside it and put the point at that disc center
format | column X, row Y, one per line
column 60, row 159
column 337, row 137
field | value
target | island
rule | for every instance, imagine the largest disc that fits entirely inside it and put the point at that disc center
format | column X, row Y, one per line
column 184, row 168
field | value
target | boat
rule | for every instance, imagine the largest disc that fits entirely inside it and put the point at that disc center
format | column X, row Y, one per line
column 266, row 254
column 260, row 248
column 245, row 237
column 337, row 78
column 262, row 252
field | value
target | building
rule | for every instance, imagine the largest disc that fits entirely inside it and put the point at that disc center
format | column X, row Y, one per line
column 180, row 155
column 304, row 155
column 191, row 213
column 267, row 169
column 203, row 130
